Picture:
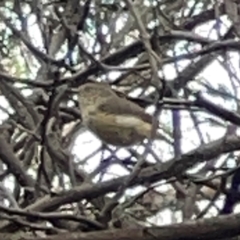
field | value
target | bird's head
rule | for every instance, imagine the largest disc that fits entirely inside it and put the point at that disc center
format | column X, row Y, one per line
column 94, row 93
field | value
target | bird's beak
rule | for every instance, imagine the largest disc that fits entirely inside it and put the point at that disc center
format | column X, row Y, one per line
column 74, row 90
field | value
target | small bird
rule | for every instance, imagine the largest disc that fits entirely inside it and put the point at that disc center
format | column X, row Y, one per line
column 112, row 118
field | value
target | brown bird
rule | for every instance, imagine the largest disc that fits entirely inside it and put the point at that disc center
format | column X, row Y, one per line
column 113, row 119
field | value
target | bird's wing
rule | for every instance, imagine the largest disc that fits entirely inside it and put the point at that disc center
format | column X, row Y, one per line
column 125, row 107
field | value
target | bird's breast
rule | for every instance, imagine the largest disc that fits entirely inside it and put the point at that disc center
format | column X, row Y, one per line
column 118, row 130
column 87, row 112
